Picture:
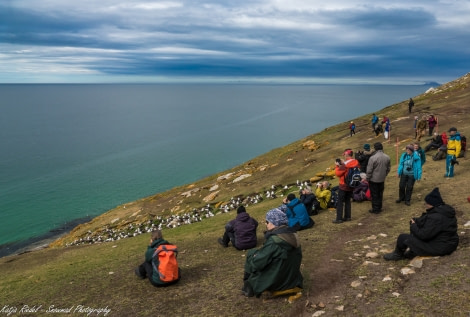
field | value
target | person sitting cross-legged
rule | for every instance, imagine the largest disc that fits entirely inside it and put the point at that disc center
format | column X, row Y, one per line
column 241, row 231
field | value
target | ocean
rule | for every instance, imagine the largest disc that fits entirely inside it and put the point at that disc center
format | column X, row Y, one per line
column 72, row 152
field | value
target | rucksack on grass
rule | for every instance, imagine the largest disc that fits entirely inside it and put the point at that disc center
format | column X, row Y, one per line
column 165, row 255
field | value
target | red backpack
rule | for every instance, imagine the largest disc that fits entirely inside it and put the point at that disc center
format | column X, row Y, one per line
column 165, row 255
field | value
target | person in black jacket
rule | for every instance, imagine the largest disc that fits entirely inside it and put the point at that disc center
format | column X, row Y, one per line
column 363, row 157
column 432, row 234
column 309, row 200
column 241, row 231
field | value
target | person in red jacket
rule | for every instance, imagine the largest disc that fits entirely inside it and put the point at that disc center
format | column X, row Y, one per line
column 344, row 192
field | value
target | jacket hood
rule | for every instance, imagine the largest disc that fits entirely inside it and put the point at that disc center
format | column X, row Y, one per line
column 293, row 202
column 445, row 210
column 244, row 217
column 285, row 233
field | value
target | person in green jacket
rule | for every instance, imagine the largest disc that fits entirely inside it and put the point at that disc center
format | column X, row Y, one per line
column 276, row 265
column 146, row 269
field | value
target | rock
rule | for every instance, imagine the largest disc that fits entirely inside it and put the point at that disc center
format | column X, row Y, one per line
column 369, row 262
column 467, row 224
column 383, row 235
column 318, row 313
column 223, row 177
column 396, row 294
column 356, row 284
column 340, row 308
column 241, row 177
column 211, row 196
column 215, row 187
column 387, row 278
column 417, row 262
column 372, row 237
column 407, row 271
column 321, row 305
column 372, row 255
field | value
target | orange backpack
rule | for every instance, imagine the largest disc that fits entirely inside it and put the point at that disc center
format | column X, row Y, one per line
column 165, row 256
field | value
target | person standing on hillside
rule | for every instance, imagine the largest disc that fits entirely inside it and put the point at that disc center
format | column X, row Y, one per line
column 276, row 265
column 363, row 157
column 352, row 128
column 432, row 234
column 432, row 122
column 409, row 171
column 241, row 231
column 343, row 207
column 411, row 104
column 421, row 128
column 377, row 170
column 454, row 147
column 375, row 120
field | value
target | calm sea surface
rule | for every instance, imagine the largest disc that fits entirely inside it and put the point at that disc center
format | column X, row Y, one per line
column 75, row 151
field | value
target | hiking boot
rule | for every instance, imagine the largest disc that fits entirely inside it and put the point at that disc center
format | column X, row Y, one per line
column 137, row 272
column 398, row 201
column 394, row 256
column 407, row 203
column 247, row 290
column 374, row 211
column 338, row 221
column 346, row 219
column 222, row 243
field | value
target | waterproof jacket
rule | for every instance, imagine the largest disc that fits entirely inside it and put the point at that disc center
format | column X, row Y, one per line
column 432, row 122
column 454, row 146
column 341, row 171
column 244, row 229
column 410, row 160
column 359, row 193
column 297, row 213
column 435, row 232
column 323, row 196
column 363, row 159
column 276, row 265
column 378, row 167
column 308, row 200
column 422, row 155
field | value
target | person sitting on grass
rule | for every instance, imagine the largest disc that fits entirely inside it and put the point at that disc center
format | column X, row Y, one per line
column 360, row 192
column 276, row 265
column 241, row 231
column 323, row 194
column 297, row 213
column 148, row 268
column 432, row 234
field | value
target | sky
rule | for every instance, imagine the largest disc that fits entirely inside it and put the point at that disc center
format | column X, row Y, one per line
column 137, row 41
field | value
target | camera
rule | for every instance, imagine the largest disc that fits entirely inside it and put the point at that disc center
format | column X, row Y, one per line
column 408, row 168
column 338, row 161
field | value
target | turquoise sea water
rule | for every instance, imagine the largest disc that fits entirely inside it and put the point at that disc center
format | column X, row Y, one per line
column 75, row 151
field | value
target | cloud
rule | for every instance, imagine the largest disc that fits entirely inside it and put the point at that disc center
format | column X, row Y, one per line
column 109, row 40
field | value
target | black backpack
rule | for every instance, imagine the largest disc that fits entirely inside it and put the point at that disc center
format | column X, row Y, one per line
column 353, row 177
column 463, row 145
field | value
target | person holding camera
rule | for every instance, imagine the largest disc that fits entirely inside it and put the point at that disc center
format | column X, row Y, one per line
column 323, row 194
column 432, row 234
column 409, row 171
column 343, row 207
column 309, row 200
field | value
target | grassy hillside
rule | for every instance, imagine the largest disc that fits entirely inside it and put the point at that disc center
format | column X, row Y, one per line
column 342, row 275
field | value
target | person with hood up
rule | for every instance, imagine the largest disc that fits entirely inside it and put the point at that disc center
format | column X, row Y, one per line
column 276, row 265
column 409, row 171
column 241, row 231
column 454, row 146
column 343, row 207
column 432, row 234
column 309, row 200
column 296, row 213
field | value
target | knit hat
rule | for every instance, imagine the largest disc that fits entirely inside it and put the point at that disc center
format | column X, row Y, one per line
column 410, row 147
column 434, row 198
column 367, row 147
column 241, row 209
column 378, row 146
column 348, row 152
column 276, row 217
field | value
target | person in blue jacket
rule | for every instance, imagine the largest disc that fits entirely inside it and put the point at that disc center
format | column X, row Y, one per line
column 409, row 171
column 297, row 213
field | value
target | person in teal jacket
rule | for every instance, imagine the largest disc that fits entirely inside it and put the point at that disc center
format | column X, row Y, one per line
column 276, row 265
column 146, row 269
column 297, row 213
column 409, row 171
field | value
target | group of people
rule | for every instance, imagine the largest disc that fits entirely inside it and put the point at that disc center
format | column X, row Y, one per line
column 276, row 265
column 426, row 123
column 383, row 126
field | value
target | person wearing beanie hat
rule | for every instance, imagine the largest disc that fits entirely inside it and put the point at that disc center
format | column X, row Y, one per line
column 377, row 170
column 276, row 265
column 296, row 213
column 432, row 234
column 409, row 171
column 363, row 157
column 343, row 206
column 454, row 147
column 241, row 231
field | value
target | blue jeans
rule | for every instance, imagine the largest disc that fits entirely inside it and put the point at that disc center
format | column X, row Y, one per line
column 449, row 166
